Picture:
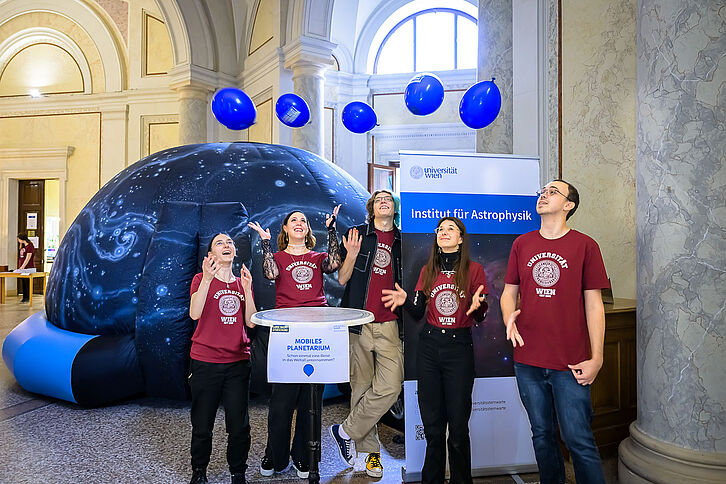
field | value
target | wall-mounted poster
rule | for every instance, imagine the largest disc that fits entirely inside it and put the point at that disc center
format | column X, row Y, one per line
column 31, row 221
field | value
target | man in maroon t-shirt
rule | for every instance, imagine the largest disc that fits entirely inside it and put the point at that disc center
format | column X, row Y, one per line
column 371, row 255
column 557, row 333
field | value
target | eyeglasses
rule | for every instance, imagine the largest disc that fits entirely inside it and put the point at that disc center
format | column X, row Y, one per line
column 551, row 191
column 383, row 199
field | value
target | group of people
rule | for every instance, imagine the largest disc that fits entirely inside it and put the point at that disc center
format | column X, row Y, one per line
column 551, row 306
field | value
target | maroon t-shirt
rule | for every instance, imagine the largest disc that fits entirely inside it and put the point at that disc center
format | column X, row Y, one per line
column 25, row 250
column 552, row 275
column 221, row 336
column 300, row 282
column 381, row 278
column 446, row 306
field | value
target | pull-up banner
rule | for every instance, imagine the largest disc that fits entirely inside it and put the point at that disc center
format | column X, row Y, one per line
column 495, row 197
column 482, row 214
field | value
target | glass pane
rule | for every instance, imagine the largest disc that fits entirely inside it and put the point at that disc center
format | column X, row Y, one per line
column 397, row 51
column 435, row 42
column 409, row 9
column 466, row 43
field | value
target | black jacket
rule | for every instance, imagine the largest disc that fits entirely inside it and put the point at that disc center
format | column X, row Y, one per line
column 356, row 290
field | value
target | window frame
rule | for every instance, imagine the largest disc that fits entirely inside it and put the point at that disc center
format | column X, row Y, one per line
column 457, row 13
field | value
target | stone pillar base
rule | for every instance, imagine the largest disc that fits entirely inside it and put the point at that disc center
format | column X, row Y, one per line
column 643, row 459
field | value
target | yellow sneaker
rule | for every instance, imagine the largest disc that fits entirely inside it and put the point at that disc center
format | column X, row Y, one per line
column 374, row 468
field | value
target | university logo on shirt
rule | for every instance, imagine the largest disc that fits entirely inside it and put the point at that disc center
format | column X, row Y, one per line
column 382, row 259
column 546, row 267
column 302, row 274
column 229, row 306
column 446, row 303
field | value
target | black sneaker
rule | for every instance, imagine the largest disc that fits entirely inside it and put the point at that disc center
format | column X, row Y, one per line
column 302, row 469
column 266, row 467
column 346, row 447
column 199, row 476
column 25, row 301
column 239, row 478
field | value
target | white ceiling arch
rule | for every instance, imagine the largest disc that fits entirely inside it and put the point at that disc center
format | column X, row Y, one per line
column 94, row 21
column 309, row 18
column 37, row 35
column 183, row 19
column 205, row 36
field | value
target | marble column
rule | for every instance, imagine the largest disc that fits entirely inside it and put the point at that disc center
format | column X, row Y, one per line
column 193, row 111
column 495, row 60
column 680, row 433
column 308, row 79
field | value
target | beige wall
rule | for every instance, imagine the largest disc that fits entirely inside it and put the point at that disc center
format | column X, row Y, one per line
column 158, row 58
column 261, row 131
column 52, row 198
column 598, row 128
column 263, row 29
column 82, row 131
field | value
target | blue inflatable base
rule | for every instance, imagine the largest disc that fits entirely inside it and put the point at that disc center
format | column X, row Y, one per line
column 41, row 356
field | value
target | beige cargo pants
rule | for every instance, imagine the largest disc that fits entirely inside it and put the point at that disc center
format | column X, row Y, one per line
column 376, row 374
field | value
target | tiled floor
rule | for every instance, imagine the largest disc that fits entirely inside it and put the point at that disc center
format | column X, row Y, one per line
column 147, row 440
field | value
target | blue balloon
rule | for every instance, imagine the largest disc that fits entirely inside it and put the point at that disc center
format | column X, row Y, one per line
column 359, row 117
column 424, row 94
column 480, row 104
column 233, row 108
column 292, row 110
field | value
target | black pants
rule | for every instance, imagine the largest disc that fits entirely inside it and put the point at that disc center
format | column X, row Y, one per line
column 445, row 381
column 229, row 383
column 285, row 398
column 24, row 288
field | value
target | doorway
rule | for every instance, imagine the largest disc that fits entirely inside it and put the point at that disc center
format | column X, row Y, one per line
column 31, row 221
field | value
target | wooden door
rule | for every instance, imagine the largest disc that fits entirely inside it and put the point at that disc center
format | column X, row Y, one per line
column 31, row 200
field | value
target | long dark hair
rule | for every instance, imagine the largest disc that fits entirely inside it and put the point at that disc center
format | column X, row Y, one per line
column 433, row 266
column 283, row 239
column 22, row 236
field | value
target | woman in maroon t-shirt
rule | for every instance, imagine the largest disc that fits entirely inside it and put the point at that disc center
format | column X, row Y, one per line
column 26, row 256
column 451, row 290
column 220, row 358
column 298, row 274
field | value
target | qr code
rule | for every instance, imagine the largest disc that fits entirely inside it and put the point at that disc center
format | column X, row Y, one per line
column 420, row 433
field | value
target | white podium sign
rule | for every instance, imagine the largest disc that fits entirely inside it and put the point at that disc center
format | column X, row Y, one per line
column 309, row 345
column 308, row 353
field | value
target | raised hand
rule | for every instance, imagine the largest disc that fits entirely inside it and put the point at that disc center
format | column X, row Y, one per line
column 246, row 278
column 352, row 243
column 393, row 298
column 512, row 333
column 210, row 267
column 264, row 233
column 476, row 300
column 330, row 219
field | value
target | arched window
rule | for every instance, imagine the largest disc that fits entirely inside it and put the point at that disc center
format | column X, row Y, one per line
column 428, row 39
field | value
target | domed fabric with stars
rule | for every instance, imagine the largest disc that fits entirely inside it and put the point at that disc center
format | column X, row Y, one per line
column 125, row 265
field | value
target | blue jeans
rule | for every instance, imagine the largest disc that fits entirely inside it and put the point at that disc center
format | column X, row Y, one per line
column 552, row 396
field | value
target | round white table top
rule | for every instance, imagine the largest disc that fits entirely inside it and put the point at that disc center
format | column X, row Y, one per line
column 317, row 315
